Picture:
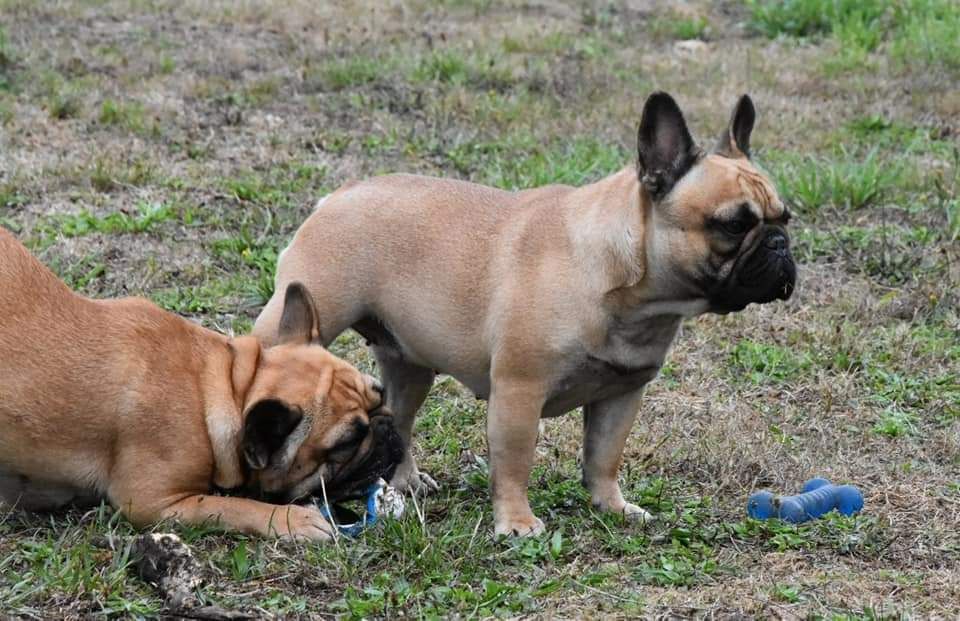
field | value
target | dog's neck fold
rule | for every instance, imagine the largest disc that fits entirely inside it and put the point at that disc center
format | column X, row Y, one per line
column 609, row 227
column 224, row 410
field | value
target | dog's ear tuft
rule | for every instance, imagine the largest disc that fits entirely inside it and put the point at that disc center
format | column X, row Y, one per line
column 734, row 141
column 266, row 428
column 664, row 145
column 299, row 322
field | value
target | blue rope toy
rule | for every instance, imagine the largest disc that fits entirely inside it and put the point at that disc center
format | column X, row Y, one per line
column 819, row 496
column 380, row 500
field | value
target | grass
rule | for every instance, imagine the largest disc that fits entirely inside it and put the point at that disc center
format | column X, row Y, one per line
column 175, row 167
column 918, row 33
column 341, row 73
column 846, row 180
column 127, row 115
column 146, row 217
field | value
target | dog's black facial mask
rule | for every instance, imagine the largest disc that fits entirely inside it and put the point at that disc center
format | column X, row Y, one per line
column 377, row 457
column 763, row 274
column 346, row 471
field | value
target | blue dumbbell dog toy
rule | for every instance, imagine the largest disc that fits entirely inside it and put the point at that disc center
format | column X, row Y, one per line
column 819, row 496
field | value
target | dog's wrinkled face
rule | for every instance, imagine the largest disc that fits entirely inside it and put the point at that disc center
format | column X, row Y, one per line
column 314, row 424
column 719, row 225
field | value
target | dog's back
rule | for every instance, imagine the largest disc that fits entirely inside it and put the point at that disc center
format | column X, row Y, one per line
column 60, row 394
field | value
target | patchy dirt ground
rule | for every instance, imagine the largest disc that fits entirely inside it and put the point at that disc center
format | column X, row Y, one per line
column 169, row 150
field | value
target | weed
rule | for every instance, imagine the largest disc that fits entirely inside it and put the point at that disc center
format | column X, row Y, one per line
column 893, row 423
column 789, row 593
column 951, row 210
column 676, row 26
column 8, row 58
column 929, row 34
column 258, row 255
column 226, row 295
column 128, row 115
column 146, row 217
column 11, row 196
column 524, row 164
column 107, row 175
column 80, row 275
column 764, row 363
column 452, row 66
column 804, row 18
column 846, row 181
column 64, row 104
column 166, row 66
column 345, row 72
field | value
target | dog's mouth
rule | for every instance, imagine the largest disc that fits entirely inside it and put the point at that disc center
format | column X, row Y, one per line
column 376, row 457
column 765, row 274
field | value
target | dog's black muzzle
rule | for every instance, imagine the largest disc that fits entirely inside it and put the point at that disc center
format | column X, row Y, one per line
column 378, row 457
column 764, row 274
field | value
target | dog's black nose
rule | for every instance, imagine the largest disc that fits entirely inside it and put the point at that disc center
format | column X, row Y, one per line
column 776, row 241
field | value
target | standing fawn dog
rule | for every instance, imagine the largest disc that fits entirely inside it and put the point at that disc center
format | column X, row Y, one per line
column 544, row 300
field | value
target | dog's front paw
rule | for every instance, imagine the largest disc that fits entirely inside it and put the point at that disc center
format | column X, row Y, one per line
column 301, row 522
column 518, row 526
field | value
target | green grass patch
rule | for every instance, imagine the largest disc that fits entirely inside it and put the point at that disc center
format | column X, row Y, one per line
column 863, row 535
column 261, row 256
column 107, row 175
column 805, row 18
column 64, row 104
column 80, row 274
column 144, row 218
column 8, row 58
column 680, row 27
column 345, row 72
column 66, row 564
column 927, row 34
column 129, row 115
column 894, row 423
column 847, row 180
column 277, row 186
column 549, row 43
column 11, row 196
column 764, row 363
column 523, row 162
column 230, row 294
column 457, row 67
column 917, row 33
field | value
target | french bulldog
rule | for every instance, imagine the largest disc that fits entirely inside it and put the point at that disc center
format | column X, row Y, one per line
column 121, row 400
column 548, row 299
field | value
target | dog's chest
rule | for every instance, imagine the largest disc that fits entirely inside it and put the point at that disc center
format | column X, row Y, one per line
column 631, row 356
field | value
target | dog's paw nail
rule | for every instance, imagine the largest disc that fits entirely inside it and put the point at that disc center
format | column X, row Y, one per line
column 428, row 482
column 523, row 527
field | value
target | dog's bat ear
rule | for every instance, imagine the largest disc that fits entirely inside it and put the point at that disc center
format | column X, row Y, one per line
column 265, row 430
column 734, row 141
column 299, row 322
column 664, row 145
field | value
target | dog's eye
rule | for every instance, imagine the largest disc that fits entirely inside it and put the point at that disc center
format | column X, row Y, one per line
column 736, row 227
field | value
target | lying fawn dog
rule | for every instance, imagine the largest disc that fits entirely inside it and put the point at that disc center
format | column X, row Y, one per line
column 119, row 399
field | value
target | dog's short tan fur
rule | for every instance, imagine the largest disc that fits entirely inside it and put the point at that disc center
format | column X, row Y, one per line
column 122, row 400
column 542, row 300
